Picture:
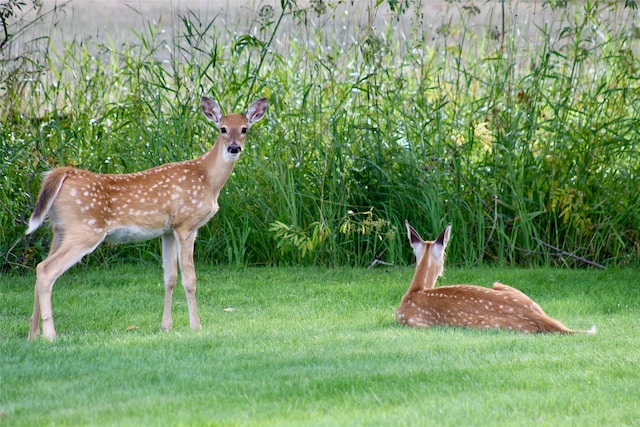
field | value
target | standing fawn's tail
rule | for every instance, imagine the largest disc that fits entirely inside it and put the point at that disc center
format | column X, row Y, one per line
column 48, row 192
column 501, row 306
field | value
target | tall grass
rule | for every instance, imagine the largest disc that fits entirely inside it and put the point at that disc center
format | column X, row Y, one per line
column 529, row 147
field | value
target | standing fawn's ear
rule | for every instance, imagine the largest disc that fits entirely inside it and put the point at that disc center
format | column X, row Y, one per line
column 211, row 110
column 417, row 244
column 256, row 110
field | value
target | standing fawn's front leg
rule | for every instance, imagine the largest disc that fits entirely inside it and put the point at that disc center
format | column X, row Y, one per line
column 170, row 266
column 187, row 268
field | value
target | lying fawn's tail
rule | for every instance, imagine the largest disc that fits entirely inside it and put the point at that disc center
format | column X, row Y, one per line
column 591, row 331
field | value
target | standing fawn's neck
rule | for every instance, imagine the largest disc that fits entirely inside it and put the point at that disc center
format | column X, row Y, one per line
column 217, row 165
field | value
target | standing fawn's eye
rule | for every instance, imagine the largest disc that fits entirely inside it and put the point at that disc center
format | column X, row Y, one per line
column 244, row 130
column 223, row 130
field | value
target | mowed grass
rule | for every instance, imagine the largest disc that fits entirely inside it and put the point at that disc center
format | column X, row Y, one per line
column 315, row 346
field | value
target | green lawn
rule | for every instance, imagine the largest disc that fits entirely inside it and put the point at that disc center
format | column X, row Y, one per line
column 315, row 346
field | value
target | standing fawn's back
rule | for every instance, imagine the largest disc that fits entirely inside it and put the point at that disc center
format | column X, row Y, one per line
column 501, row 307
column 171, row 201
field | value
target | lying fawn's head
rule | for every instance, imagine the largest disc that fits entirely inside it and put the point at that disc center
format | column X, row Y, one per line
column 430, row 257
column 233, row 127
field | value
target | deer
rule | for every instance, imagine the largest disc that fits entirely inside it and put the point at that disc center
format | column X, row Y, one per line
column 171, row 201
column 501, row 307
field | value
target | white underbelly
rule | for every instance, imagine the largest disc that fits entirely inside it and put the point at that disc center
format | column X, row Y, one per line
column 133, row 234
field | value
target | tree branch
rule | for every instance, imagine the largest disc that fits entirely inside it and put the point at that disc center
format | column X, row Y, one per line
column 576, row 257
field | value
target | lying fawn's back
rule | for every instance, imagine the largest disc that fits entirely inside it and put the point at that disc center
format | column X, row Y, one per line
column 477, row 307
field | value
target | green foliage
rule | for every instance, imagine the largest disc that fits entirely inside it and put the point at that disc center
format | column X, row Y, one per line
column 315, row 346
column 523, row 147
column 293, row 238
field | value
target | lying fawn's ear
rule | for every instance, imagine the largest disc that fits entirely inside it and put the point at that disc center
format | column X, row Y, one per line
column 440, row 244
column 417, row 244
column 443, row 238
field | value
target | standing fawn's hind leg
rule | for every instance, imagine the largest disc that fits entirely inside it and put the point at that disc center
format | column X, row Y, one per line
column 34, row 323
column 170, row 265
column 64, row 255
column 34, row 328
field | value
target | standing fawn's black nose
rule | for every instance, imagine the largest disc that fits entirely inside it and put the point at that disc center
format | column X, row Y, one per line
column 234, row 149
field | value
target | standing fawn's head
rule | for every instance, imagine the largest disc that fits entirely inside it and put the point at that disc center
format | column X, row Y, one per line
column 233, row 127
column 429, row 255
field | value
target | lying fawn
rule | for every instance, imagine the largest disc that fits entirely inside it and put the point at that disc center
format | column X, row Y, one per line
column 465, row 305
column 172, row 201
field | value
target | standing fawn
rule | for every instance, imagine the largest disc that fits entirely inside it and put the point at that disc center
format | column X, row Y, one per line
column 465, row 305
column 171, row 201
